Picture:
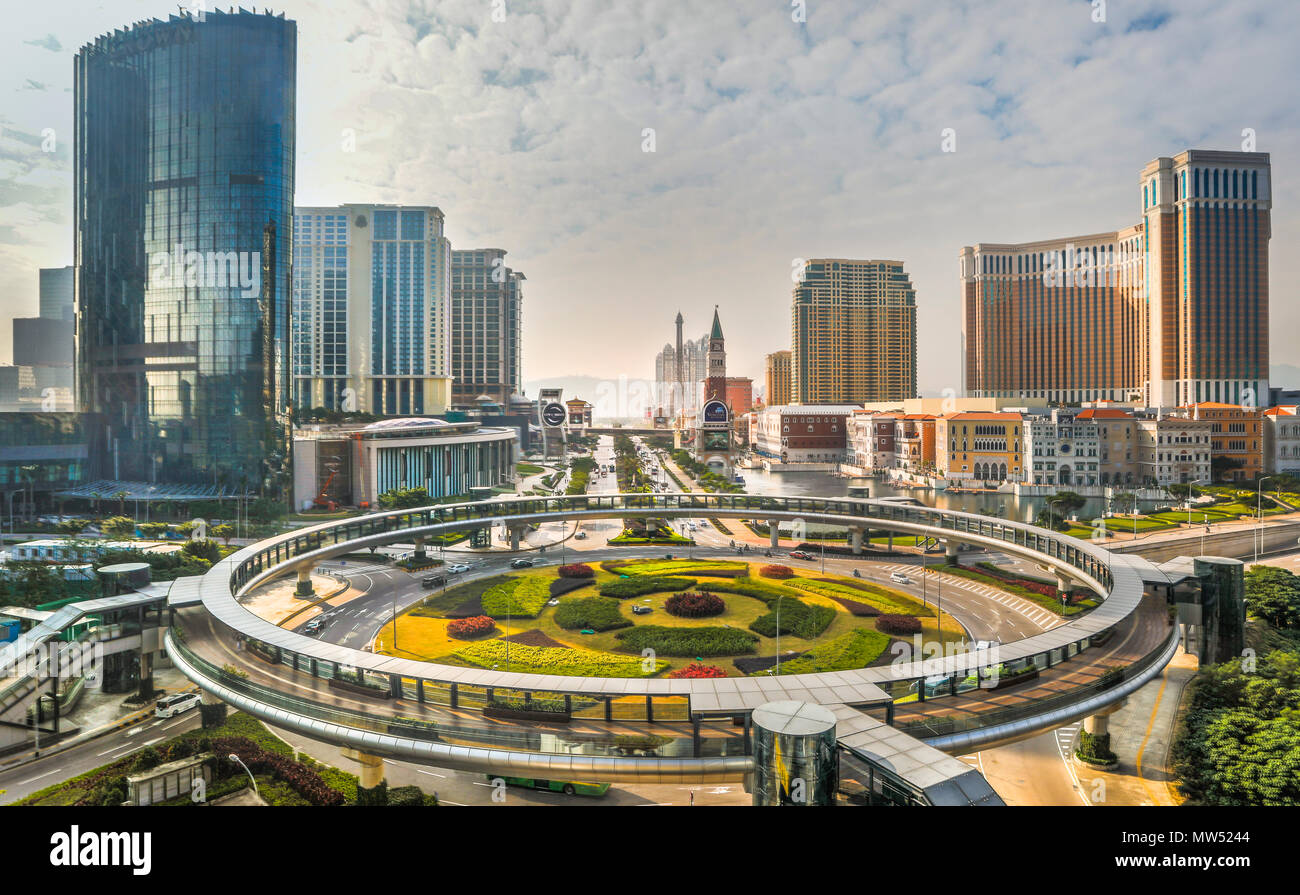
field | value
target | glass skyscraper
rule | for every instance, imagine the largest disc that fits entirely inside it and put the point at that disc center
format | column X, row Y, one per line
column 183, row 248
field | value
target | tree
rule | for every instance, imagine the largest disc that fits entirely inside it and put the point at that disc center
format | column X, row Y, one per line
column 404, row 499
column 153, row 529
column 120, row 497
column 73, row 527
column 1273, row 594
column 225, row 532
column 118, row 526
column 202, row 549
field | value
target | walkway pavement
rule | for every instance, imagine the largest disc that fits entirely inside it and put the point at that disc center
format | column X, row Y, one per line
column 1140, row 734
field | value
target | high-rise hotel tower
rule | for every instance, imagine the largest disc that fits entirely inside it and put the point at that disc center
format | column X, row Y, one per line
column 1170, row 311
column 853, row 333
column 372, row 309
column 183, row 186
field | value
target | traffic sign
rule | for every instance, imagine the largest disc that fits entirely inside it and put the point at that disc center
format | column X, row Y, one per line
column 554, row 415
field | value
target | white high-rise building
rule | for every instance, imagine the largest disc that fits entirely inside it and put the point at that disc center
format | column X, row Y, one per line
column 371, row 309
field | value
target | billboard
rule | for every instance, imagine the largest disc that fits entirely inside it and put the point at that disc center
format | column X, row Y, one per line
column 715, row 412
column 554, row 414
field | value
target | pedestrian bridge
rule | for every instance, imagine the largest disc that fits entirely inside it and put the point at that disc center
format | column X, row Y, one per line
column 654, row 730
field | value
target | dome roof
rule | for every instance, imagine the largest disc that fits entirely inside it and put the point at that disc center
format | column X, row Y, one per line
column 406, row 422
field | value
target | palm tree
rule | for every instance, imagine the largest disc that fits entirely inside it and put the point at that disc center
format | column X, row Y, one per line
column 120, row 497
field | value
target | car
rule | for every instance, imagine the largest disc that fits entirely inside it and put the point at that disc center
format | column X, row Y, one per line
column 175, row 704
column 553, row 602
column 898, row 577
column 433, row 581
column 315, row 626
column 641, row 610
column 800, row 554
column 522, row 564
column 580, row 536
column 457, row 568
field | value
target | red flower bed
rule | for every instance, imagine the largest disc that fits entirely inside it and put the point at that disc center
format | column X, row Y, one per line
column 577, row 570
column 474, row 626
column 694, row 605
column 775, row 571
column 300, row 778
column 697, row 669
column 899, row 624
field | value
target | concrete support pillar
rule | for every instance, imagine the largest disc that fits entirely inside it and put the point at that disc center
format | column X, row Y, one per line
column 372, row 767
column 774, row 533
column 212, row 711
column 855, row 540
column 950, row 552
column 515, row 533
column 146, row 674
column 1097, row 725
column 419, row 547
column 304, row 588
column 1062, row 583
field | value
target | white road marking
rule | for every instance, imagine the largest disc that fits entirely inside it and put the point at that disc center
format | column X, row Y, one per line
column 34, row 779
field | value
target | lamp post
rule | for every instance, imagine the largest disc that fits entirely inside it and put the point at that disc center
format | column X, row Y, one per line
column 1189, row 499
column 1259, row 515
column 235, row 758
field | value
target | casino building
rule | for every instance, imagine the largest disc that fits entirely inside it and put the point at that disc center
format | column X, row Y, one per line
column 352, row 466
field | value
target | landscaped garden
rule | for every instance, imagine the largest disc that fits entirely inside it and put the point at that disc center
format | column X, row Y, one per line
column 663, row 617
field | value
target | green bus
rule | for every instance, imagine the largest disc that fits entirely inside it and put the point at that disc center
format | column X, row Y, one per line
column 569, row 788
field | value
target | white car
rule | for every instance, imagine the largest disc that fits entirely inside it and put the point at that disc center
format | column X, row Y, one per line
column 457, row 568
column 175, row 704
column 899, row 578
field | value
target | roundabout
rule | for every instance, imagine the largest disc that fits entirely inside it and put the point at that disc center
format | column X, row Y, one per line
column 650, row 726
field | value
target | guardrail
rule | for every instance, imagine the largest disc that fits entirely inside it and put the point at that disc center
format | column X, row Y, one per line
column 1120, row 586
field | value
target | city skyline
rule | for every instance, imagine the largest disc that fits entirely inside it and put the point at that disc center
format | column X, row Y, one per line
column 599, row 207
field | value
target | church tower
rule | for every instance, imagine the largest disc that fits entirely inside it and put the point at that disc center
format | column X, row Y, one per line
column 715, row 388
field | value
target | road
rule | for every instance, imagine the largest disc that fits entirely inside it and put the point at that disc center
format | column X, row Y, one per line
column 36, row 775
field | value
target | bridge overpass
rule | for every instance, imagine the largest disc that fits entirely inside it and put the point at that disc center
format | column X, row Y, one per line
column 654, row 730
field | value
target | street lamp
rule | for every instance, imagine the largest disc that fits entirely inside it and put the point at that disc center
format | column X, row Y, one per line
column 1259, row 514
column 235, row 758
column 1189, row 499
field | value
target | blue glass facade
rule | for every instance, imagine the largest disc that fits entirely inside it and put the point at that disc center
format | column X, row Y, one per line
column 184, row 181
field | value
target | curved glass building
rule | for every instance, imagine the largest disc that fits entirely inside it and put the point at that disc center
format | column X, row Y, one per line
column 184, row 206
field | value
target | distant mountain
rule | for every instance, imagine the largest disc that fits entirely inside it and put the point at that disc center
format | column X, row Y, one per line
column 574, row 386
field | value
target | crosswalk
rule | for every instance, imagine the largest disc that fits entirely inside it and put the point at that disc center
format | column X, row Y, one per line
column 1032, row 611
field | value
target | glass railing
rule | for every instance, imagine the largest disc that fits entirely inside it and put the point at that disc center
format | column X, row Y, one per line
column 661, row 742
column 924, row 728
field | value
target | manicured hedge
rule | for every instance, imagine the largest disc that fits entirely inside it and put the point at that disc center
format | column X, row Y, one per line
column 562, row 586
column 576, row 570
column 800, row 619
column 597, row 613
column 776, row 571
column 899, row 624
column 517, row 597
column 693, row 604
column 882, row 598
column 556, row 660
column 708, row 641
column 639, row 587
column 856, row 649
column 474, row 626
column 697, row 670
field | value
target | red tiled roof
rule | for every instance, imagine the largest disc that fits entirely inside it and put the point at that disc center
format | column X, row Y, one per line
column 1105, row 413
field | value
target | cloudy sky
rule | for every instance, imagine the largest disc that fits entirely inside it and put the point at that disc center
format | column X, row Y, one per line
column 774, row 140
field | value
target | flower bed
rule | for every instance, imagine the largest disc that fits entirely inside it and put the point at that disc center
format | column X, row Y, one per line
column 474, row 626
column 692, row 604
column 699, row 642
column 639, row 587
column 776, row 571
column 522, row 597
column 576, row 570
column 899, row 624
column 597, row 613
column 882, row 598
column 856, row 649
column 550, row 660
column 697, row 670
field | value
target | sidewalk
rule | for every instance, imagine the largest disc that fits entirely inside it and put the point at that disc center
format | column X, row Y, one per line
column 1140, row 734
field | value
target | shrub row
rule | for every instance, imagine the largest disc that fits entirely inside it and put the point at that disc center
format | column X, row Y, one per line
column 639, row 587
column 856, row 649
column 522, row 597
column 692, row 604
column 474, row 626
column 699, row 642
column 899, row 624
column 576, row 570
column 596, row 613
column 697, row 670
